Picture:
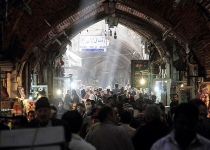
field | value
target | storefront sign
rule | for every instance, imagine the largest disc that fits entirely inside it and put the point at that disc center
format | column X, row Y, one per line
column 92, row 43
column 137, row 66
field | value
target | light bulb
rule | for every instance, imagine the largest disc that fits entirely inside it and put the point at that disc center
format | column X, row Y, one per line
column 142, row 81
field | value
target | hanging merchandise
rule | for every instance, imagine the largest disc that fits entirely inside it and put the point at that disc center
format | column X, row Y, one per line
column 21, row 92
column 28, row 105
column 17, row 107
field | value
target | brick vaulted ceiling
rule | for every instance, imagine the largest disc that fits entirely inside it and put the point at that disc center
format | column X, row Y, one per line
column 23, row 28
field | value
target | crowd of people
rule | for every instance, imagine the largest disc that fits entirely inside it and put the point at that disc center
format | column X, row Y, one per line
column 121, row 120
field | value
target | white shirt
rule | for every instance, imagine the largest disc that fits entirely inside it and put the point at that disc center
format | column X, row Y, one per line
column 77, row 143
column 169, row 143
column 92, row 97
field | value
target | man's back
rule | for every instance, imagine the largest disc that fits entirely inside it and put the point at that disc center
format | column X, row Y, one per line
column 109, row 136
column 149, row 133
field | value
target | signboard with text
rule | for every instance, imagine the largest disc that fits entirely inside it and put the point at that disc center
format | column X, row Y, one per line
column 137, row 66
column 92, row 43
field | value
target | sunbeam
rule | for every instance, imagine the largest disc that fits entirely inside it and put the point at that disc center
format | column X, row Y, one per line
column 109, row 65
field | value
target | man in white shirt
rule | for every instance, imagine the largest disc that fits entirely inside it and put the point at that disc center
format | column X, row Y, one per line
column 92, row 97
column 184, row 135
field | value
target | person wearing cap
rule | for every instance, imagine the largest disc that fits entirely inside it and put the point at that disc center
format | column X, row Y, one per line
column 43, row 112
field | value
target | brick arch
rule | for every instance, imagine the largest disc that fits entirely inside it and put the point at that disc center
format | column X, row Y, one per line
column 188, row 23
